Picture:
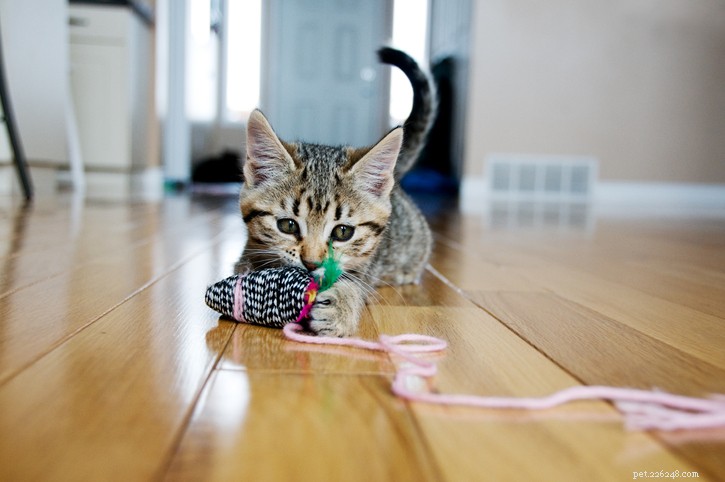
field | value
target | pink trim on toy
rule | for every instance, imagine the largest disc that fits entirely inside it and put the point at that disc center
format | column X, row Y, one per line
column 642, row 409
column 239, row 300
column 310, row 295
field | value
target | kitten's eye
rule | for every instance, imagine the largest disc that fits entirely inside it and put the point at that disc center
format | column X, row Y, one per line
column 288, row 226
column 342, row 232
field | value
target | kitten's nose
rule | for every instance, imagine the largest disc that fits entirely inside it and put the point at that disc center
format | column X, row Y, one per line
column 310, row 265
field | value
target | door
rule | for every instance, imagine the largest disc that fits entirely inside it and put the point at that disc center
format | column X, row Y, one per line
column 323, row 82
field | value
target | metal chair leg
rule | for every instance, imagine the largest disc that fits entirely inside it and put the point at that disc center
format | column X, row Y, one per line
column 15, row 144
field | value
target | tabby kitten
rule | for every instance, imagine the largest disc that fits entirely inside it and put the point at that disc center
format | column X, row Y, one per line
column 300, row 198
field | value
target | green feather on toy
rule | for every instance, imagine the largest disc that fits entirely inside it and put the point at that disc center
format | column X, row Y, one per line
column 332, row 270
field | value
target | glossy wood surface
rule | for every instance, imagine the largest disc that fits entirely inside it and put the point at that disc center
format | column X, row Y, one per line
column 112, row 367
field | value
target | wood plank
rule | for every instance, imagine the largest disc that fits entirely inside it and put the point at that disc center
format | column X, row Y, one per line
column 284, row 426
column 471, row 270
column 261, row 348
column 100, row 232
column 109, row 403
column 654, row 275
column 73, row 300
column 600, row 350
column 431, row 291
column 686, row 329
column 662, row 238
column 36, row 228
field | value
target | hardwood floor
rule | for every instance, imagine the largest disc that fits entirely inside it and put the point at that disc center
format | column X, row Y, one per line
column 113, row 368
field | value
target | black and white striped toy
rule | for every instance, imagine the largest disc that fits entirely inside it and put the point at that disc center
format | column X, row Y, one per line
column 274, row 296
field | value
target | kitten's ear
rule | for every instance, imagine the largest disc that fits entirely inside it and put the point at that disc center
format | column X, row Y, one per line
column 267, row 159
column 373, row 173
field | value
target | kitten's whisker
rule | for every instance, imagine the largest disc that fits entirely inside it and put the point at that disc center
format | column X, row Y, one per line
column 379, row 282
column 270, row 263
column 369, row 289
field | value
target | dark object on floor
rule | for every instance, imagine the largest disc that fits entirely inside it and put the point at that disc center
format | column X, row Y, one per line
column 434, row 172
column 226, row 167
column 427, row 180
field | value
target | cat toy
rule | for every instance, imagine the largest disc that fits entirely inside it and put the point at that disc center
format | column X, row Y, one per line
column 272, row 297
column 283, row 298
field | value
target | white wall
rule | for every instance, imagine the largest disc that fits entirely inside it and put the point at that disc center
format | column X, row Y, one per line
column 35, row 47
column 638, row 84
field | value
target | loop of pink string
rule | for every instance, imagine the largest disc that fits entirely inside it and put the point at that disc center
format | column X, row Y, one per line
column 643, row 409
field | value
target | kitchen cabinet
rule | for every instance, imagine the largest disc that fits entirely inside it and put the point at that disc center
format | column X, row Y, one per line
column 111, row 82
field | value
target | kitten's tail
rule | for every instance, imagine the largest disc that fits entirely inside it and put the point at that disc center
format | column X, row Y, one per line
column 421, row 115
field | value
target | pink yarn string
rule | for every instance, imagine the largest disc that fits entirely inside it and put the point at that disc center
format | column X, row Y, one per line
column 239, row 300
column 642, row 409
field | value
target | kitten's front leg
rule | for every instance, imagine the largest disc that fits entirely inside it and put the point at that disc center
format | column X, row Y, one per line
column 336, row 311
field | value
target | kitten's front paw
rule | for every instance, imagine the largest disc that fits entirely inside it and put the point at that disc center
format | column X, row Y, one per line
column 335, row 313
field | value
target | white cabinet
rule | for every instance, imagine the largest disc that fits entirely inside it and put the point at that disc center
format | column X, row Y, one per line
column 110, row 49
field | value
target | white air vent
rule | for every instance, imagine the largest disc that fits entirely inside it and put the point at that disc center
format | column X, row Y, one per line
column 550, row 177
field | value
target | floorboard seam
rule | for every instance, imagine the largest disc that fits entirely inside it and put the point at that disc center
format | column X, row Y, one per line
column 174, row 267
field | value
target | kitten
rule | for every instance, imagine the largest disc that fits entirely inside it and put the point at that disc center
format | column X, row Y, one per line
column 298, row 198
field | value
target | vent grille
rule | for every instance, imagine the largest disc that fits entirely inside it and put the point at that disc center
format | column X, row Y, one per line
column 555, row 177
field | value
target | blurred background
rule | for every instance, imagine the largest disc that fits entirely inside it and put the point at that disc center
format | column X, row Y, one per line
column 562, row 99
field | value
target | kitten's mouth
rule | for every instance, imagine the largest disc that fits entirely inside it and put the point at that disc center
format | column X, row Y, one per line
column 317, row 273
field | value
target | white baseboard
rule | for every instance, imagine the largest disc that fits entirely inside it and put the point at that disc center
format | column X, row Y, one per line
column 610, row 196
column 146, row 184
column 667, row 194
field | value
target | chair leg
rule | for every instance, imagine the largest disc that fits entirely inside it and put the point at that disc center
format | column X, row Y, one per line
column 15, row 144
